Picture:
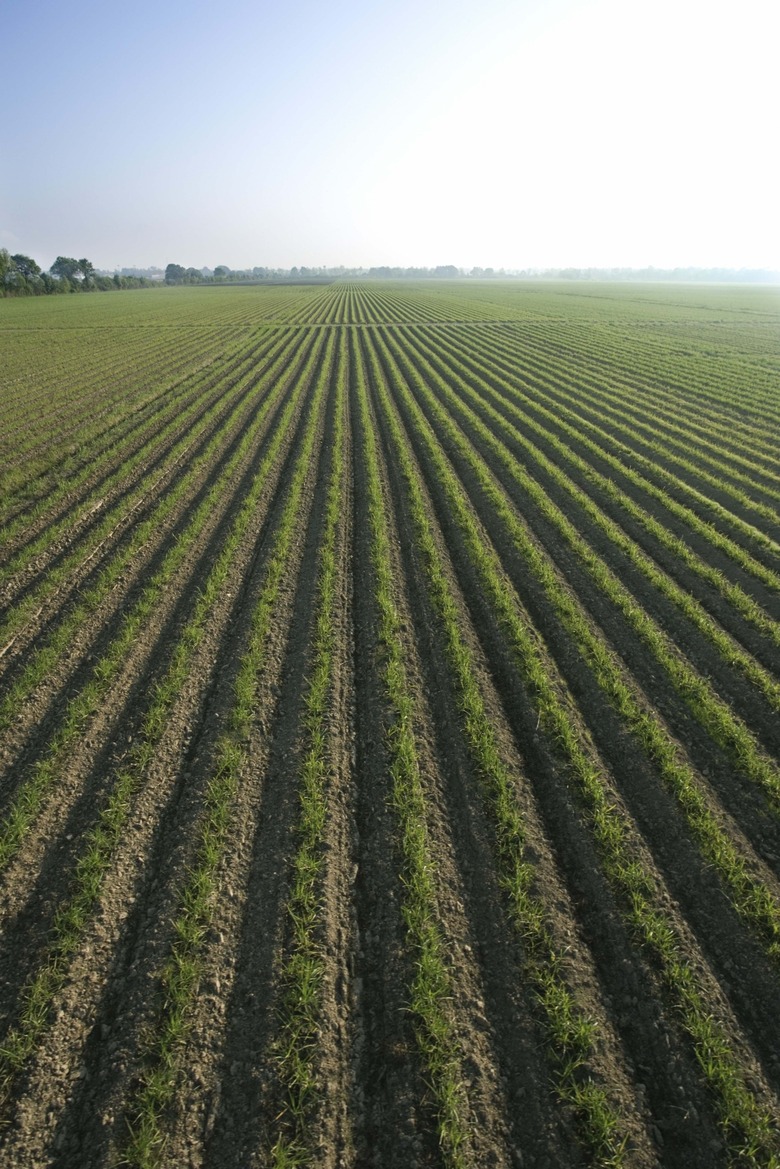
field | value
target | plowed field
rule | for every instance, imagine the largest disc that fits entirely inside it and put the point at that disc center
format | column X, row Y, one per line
column 390, row 727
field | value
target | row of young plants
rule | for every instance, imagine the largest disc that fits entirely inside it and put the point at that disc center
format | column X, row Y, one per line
column 85, row 407
column 683, row 392
column 703, row 527
column 386, row 306
column 619, row 341
column 317, row 309
column 297, row 1057
column 751, row 896
column 718, row 386
column 110, row 469
column 215, row 432
column 329, row 306
column 748, row 1126
column 389, row 307
column 620, row 397
column 333, row 306
column 342, row 303
column 672, row 349
column 373, row 307
column 29, row 796
column 112, row 420
column 655, row 458
column 545, row 337
column 529, row 405
column 487, row 391
column 253, row 306
column 681, row 449
column 103, row 839
column 462, row 394
column 158, row 444
column 197, row 898
column 570, row 1032
column 431, row 991
column 584, row 398
column 41, row 367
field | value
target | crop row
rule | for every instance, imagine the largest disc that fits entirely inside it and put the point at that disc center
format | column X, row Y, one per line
column 105, row 466
column 613, row 835
column 744, row 545
column 474, row 406
column 251, row 404
column 389, row 765
column 567, row 388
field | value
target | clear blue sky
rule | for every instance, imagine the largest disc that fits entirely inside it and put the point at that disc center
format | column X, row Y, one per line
column 504, row 134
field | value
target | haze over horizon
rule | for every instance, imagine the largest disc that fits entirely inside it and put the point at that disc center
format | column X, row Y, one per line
column 542, row 133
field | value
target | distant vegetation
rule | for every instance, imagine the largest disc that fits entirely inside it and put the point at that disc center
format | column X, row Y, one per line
column 222, row 274
column 21, row 276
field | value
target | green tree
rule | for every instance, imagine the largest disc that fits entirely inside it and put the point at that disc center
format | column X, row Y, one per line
column 66, row 268
column 87, row 271
column 26, row 265
column 8, row 272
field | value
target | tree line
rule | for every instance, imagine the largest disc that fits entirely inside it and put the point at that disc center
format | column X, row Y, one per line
column 222, row 274
column 21, row 276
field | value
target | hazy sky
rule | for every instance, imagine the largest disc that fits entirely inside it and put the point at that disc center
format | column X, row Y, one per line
column 493, row 133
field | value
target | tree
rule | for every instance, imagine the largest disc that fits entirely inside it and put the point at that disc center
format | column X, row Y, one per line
column 174, row 274
column 20, row 275
column 26, row 266
column 8, row 271
column 66, row 268
column 87, row 271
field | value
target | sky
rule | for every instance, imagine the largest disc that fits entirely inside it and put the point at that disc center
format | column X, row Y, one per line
column 524, row 134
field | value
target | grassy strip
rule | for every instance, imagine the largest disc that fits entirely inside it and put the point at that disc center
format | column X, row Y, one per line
column 752, row 899
column 621, row 464
column 103, row 840
column 304, row 969
column 29, row 798
column 741, row 600
column 748, row 1128
column 431, row 987
column 182, row 970
column 569, row 1031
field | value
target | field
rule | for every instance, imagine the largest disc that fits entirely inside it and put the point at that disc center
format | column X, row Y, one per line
column 389, row 736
